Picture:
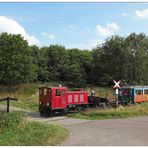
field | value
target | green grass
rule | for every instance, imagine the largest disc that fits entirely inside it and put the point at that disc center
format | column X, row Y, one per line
column 129, row 111
column 17, row 131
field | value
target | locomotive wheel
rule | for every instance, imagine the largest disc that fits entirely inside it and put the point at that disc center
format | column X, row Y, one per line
column 64, row 111
column 78, row 108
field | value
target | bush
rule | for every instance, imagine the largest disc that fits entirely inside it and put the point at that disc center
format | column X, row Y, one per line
column 10, row 120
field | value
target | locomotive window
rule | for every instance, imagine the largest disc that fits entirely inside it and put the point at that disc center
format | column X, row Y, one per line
column 76, row 98
column 139, row 92
column 57, row 92
column 63, row 92
column 40, row 91
column 45, row 91
column 70, row 98
column 81, row 98
column 146, row 91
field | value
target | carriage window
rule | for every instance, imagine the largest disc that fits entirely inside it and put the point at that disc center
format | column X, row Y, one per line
column 63, row 92
column 139, row 92
column 57, row 92
column 146, row 91
column 45, row 91
column 125, row 92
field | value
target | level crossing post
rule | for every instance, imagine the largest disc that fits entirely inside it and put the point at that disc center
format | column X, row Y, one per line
column 116, row 87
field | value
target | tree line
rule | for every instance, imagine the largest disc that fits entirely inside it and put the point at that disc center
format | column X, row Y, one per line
column 124, row 58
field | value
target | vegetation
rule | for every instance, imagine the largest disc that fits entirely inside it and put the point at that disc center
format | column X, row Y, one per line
column 16, row 65
column 15, row 130
column 128, row 111
column 124, row 58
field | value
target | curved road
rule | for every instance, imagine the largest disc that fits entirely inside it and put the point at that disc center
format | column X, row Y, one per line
column 130, row 131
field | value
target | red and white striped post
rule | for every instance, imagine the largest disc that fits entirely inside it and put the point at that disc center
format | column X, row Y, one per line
column 116, row 87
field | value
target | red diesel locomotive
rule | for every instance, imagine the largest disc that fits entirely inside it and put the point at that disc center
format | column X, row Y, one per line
column 58, row 99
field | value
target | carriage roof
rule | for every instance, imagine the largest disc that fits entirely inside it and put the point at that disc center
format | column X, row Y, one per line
column 134, row 87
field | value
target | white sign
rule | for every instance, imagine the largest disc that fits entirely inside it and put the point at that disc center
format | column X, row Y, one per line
column 117, row 91
column 117, row 84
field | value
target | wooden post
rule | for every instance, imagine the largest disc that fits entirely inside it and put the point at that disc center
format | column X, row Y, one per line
column 8, row 104
column 8, row 99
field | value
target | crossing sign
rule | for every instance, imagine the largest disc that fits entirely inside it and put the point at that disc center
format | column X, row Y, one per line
column 117, row 84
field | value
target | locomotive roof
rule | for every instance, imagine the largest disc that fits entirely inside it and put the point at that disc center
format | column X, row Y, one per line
column 136, row 86
column 54, row 87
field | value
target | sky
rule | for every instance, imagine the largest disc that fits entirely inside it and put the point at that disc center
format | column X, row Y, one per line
column 73, row 25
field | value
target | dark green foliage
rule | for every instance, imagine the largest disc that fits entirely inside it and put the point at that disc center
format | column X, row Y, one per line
column 57, row 59
column 16, row 63
column 124, row 58
column 40, row 59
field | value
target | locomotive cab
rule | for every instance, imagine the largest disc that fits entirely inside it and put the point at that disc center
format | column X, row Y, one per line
column 52, row 99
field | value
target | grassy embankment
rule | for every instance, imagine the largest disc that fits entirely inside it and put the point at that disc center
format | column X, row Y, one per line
column 27, row 94
column 17, row 131
column 128, row 111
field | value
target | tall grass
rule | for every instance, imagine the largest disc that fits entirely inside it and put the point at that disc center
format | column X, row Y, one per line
column 128, row 111
column 15, row 130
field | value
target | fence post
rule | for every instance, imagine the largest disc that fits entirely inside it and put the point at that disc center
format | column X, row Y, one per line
column 8, row 99
column 8, row 104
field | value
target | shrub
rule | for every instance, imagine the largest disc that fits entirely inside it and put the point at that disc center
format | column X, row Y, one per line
column 11, row 119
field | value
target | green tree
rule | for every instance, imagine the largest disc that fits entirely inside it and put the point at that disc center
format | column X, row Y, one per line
column 40, row 59
column 16, row 63
column 57, row 59
column 110, row 60
column 137, row 45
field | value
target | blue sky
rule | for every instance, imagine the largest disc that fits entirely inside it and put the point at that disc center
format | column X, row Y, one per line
column 74, row 25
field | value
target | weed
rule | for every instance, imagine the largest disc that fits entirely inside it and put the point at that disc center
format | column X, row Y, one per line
column 129, row 111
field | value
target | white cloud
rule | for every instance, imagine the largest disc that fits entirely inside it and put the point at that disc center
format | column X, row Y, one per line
column 125, row 14
column 109, row 29
column 142, row 14
column 11, row 26
column 50, row 36
column 88, row 45
column 113, row 26
column 69, row 29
